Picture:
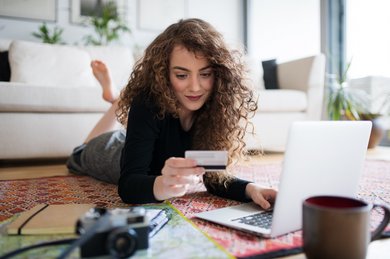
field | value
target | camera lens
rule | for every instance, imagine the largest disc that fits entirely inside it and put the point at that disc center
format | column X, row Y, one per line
column 122, row 242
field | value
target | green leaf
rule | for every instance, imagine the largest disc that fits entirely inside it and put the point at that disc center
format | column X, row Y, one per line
column 108, row 27
column 47, row 36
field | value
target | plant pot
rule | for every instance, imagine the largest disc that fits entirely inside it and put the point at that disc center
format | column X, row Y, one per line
column 377, row 133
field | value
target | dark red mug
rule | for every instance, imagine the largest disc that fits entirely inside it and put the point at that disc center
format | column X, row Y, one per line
column 339, row 227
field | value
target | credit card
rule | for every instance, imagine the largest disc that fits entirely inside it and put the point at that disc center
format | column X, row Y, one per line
column 210, row 160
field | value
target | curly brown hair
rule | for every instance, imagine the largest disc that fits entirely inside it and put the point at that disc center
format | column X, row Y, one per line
column 222, row 122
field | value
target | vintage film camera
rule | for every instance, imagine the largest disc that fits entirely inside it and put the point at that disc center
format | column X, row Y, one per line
column 120, row 233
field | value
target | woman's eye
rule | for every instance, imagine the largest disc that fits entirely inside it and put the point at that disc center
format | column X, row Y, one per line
column 206, row 74
column 181, row 76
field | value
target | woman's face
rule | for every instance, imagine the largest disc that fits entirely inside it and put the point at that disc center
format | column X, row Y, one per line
column 191, row 77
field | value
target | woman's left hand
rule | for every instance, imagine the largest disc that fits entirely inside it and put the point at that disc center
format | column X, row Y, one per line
column 260, row 195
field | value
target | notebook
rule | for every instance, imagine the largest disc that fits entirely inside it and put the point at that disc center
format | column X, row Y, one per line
column 45, row 219
column 321, row 158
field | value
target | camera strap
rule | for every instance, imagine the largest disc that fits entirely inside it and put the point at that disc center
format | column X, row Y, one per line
column 101, row 222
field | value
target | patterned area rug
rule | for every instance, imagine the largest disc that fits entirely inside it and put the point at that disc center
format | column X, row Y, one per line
column 374, row 187
column 20, row 195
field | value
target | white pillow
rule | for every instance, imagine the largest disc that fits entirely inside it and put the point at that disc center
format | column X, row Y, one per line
column 50, row 65
column 119, row 60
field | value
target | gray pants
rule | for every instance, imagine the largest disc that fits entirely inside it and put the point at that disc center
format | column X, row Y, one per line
column 100, row 157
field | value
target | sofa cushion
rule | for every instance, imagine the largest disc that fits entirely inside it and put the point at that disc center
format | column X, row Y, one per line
column 119, row 60
column 50, row 65
column 22, row 97
column 5, row 73
column 282, row 101
column 270, row 74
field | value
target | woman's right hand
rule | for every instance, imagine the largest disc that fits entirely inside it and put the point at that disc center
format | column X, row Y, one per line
column 177, row 175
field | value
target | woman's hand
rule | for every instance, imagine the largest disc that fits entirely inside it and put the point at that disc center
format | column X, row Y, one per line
column 177, row 175
column 260, row 195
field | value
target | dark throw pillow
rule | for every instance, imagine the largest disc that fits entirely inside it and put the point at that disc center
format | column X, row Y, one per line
column 5, row 70
column 269, row 75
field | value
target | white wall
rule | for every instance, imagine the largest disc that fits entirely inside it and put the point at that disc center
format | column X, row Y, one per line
column 284, row 29
column 281, row 29
column 367, row 38
column 228, row 21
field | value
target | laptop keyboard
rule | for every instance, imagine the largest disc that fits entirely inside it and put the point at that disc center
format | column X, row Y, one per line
column 262, row 219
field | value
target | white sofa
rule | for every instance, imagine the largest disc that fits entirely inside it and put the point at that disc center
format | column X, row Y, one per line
column 299, row 97
column 52, row 100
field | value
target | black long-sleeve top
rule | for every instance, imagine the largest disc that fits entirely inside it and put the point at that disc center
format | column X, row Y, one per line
column 149, row 142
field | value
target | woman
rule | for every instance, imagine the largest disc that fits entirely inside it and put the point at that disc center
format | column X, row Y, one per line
column 188, row 92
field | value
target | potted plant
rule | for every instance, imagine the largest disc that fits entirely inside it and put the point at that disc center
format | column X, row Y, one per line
column 108, row 26
column 346, row 103
column 47, row 36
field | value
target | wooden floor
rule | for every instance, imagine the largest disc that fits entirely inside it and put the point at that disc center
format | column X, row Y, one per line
column 27, row 169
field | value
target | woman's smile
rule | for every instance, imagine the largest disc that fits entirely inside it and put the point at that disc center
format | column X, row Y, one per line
column 194, row 98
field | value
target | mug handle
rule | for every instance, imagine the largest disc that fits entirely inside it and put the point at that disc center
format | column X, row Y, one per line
column 386, row 219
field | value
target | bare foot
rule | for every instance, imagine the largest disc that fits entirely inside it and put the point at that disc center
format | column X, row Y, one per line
column 102, row 74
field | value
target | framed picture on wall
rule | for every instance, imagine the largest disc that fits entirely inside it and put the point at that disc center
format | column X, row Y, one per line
column 40, row 10
column 83, row 10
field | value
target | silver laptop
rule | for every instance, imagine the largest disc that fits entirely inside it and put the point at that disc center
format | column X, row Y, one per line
column 321, row 158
